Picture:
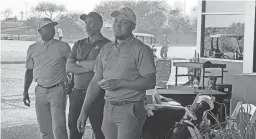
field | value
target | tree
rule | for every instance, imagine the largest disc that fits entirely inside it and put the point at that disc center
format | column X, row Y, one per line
column 72, row 23
column 105, row 8
column 51, row 10
column 7, row 12
column 150, row 14
column 21, row 15
column 178, row 23
column 33, row 21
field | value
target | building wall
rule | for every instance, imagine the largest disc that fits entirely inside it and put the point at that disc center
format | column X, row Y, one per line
column 241, row 84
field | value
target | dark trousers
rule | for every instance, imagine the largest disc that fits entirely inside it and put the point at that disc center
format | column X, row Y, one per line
column 95, row 114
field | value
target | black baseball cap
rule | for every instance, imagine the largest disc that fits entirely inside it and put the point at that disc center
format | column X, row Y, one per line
column 94, row 15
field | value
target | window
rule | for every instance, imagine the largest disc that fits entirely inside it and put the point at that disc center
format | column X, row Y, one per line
column 222, row 29
column 214, row 18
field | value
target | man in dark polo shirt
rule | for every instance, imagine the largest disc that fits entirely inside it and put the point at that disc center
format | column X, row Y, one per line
column 81, row 63
column 46, row 62
column 125, row 69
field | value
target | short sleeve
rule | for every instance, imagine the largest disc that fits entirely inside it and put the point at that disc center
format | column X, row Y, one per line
column 73, row 53
column 64, row 50
column 99, row 65
column 145, row 61
column 29, row 59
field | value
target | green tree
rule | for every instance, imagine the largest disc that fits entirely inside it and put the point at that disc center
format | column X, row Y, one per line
column 71, row 23
column 150, row 14
column 105, row 8
column 6, row 13
column 50, row 9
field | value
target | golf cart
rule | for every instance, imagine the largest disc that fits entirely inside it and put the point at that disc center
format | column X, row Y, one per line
column 148, row 39
column 216, row 53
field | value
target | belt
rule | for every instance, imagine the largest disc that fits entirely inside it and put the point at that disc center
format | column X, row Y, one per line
column 50, row 87
column 119, row 103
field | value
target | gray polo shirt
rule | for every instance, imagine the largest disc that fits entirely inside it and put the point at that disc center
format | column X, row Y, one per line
column 85, row 50
column 128, row 61
column 48, row 61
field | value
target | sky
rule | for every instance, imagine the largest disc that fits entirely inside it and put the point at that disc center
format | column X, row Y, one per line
column 78, row 6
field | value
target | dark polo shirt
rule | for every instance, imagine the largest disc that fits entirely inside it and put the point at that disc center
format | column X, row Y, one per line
column 85, row 50
column 128, row 60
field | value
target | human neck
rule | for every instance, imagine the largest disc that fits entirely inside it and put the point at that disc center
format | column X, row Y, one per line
column 47, row 40
column 95, row 37
column 126, row 38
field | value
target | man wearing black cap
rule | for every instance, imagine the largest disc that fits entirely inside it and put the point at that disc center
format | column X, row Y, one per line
column 125, row 69
column 81, row 63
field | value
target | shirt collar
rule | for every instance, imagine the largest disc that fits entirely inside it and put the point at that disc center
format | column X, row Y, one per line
column 100, row 38
column 47, row 43
column 128, row 41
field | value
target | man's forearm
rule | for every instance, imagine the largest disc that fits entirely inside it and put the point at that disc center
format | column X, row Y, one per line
column 88, row 64
column 28, row 79
column 76, row 69
column 92, row 93
column 142, row 83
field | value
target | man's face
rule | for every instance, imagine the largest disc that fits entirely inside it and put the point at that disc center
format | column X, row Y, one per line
column 92, row 26
column 122, row 27
column 47, row 32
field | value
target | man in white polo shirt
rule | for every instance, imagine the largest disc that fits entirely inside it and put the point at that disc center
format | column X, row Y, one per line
column 60, row 33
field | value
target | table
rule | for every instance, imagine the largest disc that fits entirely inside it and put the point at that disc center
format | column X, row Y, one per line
column 198, row 65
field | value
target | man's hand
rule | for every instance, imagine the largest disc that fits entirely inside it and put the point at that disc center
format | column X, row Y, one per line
column 111, row 84
column 68, row 88
column 26, row 99
column 81, row 122
column 69, row 84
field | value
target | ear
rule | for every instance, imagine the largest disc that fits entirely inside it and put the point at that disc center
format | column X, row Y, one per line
column 133, row 26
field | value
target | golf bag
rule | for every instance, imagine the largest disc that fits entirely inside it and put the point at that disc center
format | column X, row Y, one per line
column 194, row 119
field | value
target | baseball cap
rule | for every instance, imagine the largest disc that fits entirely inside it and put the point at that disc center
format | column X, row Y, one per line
column 94, row 15
column 127, row 13
column 46, row 21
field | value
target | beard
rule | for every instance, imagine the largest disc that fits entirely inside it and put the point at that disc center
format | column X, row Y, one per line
column 120, row 37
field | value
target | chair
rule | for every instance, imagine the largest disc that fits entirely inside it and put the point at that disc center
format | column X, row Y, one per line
column 163, row 71
column 247, row 108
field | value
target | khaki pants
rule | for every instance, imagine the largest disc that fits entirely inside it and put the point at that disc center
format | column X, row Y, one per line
column 123, row 122
column 50, row 109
